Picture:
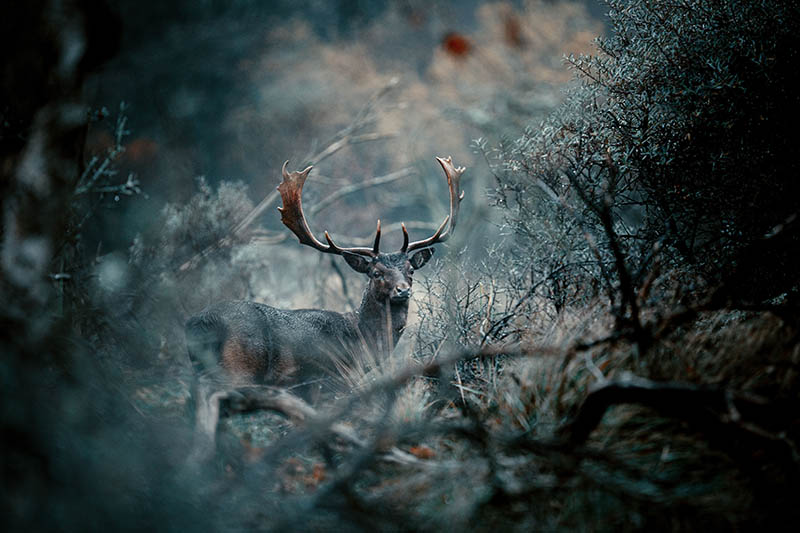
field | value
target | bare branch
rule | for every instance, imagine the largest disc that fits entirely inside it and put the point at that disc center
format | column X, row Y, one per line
column 712, row 409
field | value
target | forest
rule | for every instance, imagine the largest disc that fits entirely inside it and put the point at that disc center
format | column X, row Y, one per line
column 600, row 198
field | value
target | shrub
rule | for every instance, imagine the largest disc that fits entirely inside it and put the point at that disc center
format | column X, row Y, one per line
column 680, row 134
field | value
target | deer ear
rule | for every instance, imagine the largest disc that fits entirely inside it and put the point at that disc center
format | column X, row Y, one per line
column 359, row 263
column 419, row 259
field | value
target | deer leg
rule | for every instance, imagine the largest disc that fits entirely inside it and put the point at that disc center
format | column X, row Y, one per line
column 206, row 418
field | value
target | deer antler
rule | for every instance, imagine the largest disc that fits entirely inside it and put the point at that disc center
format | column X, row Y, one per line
column 453, row 174
column 291, row 190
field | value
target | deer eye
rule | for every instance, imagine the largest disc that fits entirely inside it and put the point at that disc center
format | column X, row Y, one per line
column 410, row 271
column 376, row 274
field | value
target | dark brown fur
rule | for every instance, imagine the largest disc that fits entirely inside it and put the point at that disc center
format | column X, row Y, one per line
column 254, row 342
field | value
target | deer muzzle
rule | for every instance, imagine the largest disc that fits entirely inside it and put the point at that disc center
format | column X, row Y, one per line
column 401, row 292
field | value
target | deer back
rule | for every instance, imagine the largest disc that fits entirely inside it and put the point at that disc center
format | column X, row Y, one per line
column 254, row 342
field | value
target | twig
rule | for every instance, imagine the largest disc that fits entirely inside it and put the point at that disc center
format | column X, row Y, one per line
column 355, row 187
column 347, row 140
column 460, row 386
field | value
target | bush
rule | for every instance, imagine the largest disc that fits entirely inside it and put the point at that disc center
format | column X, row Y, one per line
column 680, row 135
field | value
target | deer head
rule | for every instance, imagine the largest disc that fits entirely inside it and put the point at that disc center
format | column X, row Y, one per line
column 390, row 274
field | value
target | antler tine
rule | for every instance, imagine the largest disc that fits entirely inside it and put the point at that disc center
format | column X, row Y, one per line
column 291, row 190
column 376, row 246
column 404, row 249
column 453, row 175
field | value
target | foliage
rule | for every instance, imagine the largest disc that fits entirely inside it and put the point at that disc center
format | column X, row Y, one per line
column 679, row 136
column 180, row 231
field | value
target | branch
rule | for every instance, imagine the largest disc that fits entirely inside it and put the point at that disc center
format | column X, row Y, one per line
column 347, row 140
column 355, row 187
column 344, row 138
column 211, row 405
column 713, row 410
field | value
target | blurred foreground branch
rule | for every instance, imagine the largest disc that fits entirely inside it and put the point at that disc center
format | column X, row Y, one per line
column 212, row 404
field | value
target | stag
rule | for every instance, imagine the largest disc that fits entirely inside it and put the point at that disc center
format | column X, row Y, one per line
column 256, row 343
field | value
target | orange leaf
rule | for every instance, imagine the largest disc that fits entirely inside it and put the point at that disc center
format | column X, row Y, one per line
column 422, row 452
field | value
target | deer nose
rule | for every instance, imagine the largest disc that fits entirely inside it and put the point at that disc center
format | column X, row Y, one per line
column 402, row 290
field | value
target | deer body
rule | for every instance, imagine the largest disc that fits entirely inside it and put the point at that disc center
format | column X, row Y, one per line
column 253, row 342
column 257, row 342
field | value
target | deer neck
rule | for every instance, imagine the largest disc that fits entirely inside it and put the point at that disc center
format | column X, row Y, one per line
column 381, row 322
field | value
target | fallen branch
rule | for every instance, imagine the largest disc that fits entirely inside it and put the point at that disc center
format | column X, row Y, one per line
column 716, row 411
column 211, row 403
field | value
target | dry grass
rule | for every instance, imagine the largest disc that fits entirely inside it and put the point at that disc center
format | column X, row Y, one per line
column 488, row 454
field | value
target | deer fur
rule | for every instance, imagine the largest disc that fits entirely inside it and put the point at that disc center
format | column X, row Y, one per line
column 255, row 342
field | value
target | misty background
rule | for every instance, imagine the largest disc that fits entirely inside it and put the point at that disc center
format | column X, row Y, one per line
column 229, row 91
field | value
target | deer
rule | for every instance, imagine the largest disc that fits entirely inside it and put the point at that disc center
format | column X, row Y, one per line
column 254, row 343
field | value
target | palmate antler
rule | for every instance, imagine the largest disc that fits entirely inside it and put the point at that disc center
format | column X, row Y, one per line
column 291, row 190
column 453, row 174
